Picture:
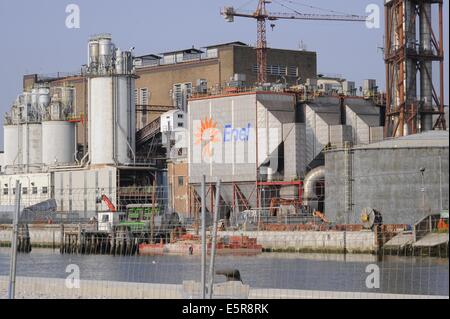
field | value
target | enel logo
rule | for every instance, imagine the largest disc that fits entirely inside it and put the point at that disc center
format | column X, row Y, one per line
column 236, row 134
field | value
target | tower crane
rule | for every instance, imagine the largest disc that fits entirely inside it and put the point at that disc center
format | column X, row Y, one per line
column 261, row 15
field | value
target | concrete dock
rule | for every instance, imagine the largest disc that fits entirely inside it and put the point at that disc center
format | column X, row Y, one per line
column 278, row 241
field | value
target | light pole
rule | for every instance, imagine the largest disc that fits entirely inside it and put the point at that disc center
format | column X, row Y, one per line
column 422, row 172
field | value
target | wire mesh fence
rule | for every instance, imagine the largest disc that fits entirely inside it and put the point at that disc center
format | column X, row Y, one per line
column 135, row 243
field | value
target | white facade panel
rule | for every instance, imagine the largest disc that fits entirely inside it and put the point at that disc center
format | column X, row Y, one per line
column 36, row 188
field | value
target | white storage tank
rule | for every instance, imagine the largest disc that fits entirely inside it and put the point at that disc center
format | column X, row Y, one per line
column 44, row 97
column 111, row 125
column 11, row 145
column 31, row 144
column 58, row 141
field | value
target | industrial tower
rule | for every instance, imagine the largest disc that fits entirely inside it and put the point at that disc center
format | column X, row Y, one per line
column 414, row 103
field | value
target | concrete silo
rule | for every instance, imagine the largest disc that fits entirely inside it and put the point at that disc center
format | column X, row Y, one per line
column 111, row 114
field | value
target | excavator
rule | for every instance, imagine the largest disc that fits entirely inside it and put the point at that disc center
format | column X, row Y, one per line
column 137, row 218
column 108, row 203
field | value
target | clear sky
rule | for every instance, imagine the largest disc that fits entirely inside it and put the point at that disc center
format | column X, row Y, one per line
column 35, row 39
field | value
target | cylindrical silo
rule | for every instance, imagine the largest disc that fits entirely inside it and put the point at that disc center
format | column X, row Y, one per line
column 93, row 52
column 44, row 97
column 111, row 124
column 111, row 112
column 31, row 143
column 58, row 141
column 125, row 118
column 11, row 145
column 106, row 51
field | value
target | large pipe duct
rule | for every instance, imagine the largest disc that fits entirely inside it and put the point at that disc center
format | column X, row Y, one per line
column 426, row 72
column 310, row 182
column 411, row 64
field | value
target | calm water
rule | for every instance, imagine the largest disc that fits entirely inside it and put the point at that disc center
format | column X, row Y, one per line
column 408, row 275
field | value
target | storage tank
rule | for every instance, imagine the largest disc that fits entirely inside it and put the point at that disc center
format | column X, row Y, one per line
column 112, row 107
column 111, row 114
column 93, row 52
column 34, row 97
column 11, row 144
column 44, row 97
column 106, row 50
column 31, row 144
column 58, row 141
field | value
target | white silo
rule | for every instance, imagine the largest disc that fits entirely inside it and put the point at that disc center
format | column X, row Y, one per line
column 58, row 142
column 11, row 144
column 111, row 110
column 31, row 146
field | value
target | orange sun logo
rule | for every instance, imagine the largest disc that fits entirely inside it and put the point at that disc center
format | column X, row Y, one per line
column 207, row 134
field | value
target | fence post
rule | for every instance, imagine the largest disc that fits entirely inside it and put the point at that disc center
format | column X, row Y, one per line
column 214, row 241
column 203, row 263
column 15, row 230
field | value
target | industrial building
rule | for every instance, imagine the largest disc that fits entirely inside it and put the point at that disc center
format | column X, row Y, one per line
column 269, row 142
column 41, row 149
column 404, row 179
column 170, row 78
column 319, row 142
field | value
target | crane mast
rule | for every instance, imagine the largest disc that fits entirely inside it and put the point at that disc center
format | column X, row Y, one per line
column 262, row 15
column 261, row 49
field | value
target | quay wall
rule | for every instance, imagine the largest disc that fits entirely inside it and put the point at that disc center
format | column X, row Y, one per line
column 279, row 241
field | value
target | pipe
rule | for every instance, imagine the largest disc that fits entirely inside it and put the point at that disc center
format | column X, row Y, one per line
column 310, row 181
column 426, row 72
column 114, row 133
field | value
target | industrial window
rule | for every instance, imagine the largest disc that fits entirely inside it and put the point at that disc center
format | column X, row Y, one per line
column 136, row 97
column 180, row 181
column 144, row 96
column 181, row 93
column 34, row 190
column 276, row 69
column 180, row 125
column 180, row 116
column 44, row 190
column 25, row 190
column 273, row 69
column 293, row 71
column 5, row 191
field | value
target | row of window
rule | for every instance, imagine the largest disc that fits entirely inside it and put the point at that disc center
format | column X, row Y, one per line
column 141, row 96
column 279, row 70
column 34, row 190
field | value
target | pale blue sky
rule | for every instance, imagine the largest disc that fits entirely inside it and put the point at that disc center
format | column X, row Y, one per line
column 34, row 38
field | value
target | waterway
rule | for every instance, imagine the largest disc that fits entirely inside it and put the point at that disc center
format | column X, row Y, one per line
column 327, row 272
